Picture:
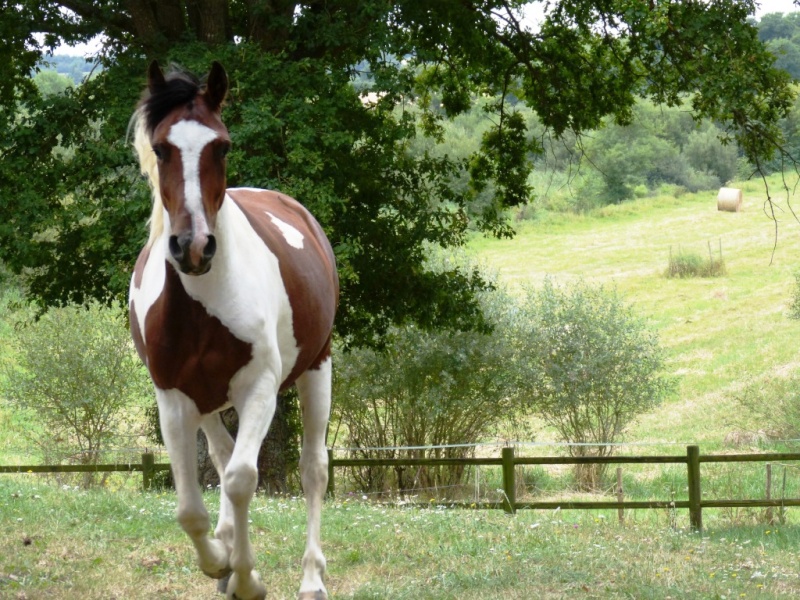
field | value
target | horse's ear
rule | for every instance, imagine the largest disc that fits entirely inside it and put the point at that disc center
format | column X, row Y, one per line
column 216, row 86
column 155, row 77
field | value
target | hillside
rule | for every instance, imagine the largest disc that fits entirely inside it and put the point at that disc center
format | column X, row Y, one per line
column 721, row 333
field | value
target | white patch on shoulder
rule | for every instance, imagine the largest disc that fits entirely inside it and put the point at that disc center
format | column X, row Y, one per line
column 293, row 237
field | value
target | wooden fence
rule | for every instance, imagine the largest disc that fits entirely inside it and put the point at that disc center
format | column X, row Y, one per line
column 148, row 467
column 508, row 461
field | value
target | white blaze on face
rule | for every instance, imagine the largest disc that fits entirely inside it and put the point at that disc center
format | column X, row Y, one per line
column 190, row 137
column 293, row 237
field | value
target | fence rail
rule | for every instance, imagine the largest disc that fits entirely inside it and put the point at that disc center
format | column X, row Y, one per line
column 508, row 461
column 148, row 467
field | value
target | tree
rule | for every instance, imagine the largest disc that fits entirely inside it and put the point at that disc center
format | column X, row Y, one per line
column 298, row 124
column 595, row 367
column 787, row 56
column 77, row 372
column 51, row 82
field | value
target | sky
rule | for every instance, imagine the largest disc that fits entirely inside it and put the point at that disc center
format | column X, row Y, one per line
column 772, row 6
column 765, row 7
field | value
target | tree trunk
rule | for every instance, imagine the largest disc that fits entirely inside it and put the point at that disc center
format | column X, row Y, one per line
column 209, row 20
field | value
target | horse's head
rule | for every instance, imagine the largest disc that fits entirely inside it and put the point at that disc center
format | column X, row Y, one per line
column 190, row 142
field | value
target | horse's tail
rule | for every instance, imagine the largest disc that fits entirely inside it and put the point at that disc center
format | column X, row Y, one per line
column 149, row 167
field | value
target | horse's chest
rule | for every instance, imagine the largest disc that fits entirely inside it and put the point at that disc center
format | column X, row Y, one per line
column 188, row 349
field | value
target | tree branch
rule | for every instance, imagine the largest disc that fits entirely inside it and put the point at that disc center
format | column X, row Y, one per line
column 92, row 11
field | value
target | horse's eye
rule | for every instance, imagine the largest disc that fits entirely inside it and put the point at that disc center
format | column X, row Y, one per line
column 224, row 149
column 159, row 152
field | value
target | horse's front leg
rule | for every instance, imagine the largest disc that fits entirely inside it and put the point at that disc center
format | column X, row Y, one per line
column 239, row 485
column 180, row 421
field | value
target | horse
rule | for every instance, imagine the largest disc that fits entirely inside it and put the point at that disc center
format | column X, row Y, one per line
column 232, row 300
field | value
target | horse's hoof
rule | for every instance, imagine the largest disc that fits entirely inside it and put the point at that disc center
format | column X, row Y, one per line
column 222, row 584
column 257, row 588
column 318, row 595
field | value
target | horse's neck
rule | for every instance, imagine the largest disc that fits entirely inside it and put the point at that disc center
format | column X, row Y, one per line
column 241, row 267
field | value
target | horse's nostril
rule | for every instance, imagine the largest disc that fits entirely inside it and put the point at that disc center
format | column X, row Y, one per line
column 175, row 248
column 211, row 248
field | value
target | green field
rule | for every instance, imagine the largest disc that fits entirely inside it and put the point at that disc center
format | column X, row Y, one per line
column 721, row 334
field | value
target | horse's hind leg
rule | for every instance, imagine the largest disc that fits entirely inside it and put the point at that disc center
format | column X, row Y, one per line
column 314, row 388
column 180, row 421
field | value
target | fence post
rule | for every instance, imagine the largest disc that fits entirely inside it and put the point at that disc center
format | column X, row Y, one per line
column 620, row 497
column 331, row 485
column 509, row 483
column 768, row 496
column 695, row 494
column 148, row 470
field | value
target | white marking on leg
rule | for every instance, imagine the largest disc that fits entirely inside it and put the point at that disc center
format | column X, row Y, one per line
column 179, row 423
column 256, row 410
column 292, row 235
column 220, row 448
column 314, row 388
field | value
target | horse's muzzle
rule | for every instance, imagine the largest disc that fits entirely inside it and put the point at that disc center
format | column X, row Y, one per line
column 193, row 253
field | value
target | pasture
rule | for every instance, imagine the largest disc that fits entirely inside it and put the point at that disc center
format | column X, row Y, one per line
column 72, row 544
column 721, row 333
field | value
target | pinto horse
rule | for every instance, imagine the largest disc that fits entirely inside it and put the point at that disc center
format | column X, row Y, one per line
column 232, row 299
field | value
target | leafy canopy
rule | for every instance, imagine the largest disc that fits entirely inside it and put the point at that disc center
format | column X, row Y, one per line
column 73, row 207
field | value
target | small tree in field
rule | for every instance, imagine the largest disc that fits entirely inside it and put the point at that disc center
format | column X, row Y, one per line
column 426, row 388
column 596, row 367
column 76, row 372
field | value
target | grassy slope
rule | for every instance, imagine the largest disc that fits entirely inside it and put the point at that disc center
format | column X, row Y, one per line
column 719, row 332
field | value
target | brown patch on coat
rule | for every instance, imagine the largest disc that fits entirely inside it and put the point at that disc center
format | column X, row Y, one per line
column 188, row 349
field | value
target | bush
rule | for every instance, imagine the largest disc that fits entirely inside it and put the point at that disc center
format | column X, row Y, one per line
column 595, row 367
column 425, row 388
column 769, row 407
column 76, row 373
column 688, row 264
column 794, row 307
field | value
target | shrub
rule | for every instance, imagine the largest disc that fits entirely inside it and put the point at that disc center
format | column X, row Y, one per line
column 688, row 264
column 76, row 373
column 426, row 388
column 768, row 407
column 595, row 367
column 794, row 307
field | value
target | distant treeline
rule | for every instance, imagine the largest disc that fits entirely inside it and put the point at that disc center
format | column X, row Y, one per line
column 781, row 33
column 74, row 67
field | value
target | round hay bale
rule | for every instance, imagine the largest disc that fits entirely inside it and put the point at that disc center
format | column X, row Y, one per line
column 729, row 199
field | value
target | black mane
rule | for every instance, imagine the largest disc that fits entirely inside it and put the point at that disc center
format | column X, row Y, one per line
column 180, row 88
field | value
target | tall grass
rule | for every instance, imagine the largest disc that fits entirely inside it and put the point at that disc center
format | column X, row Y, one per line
column 689, row 264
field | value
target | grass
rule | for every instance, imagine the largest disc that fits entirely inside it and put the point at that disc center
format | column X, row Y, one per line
column 69, row 544
column 720, row 333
